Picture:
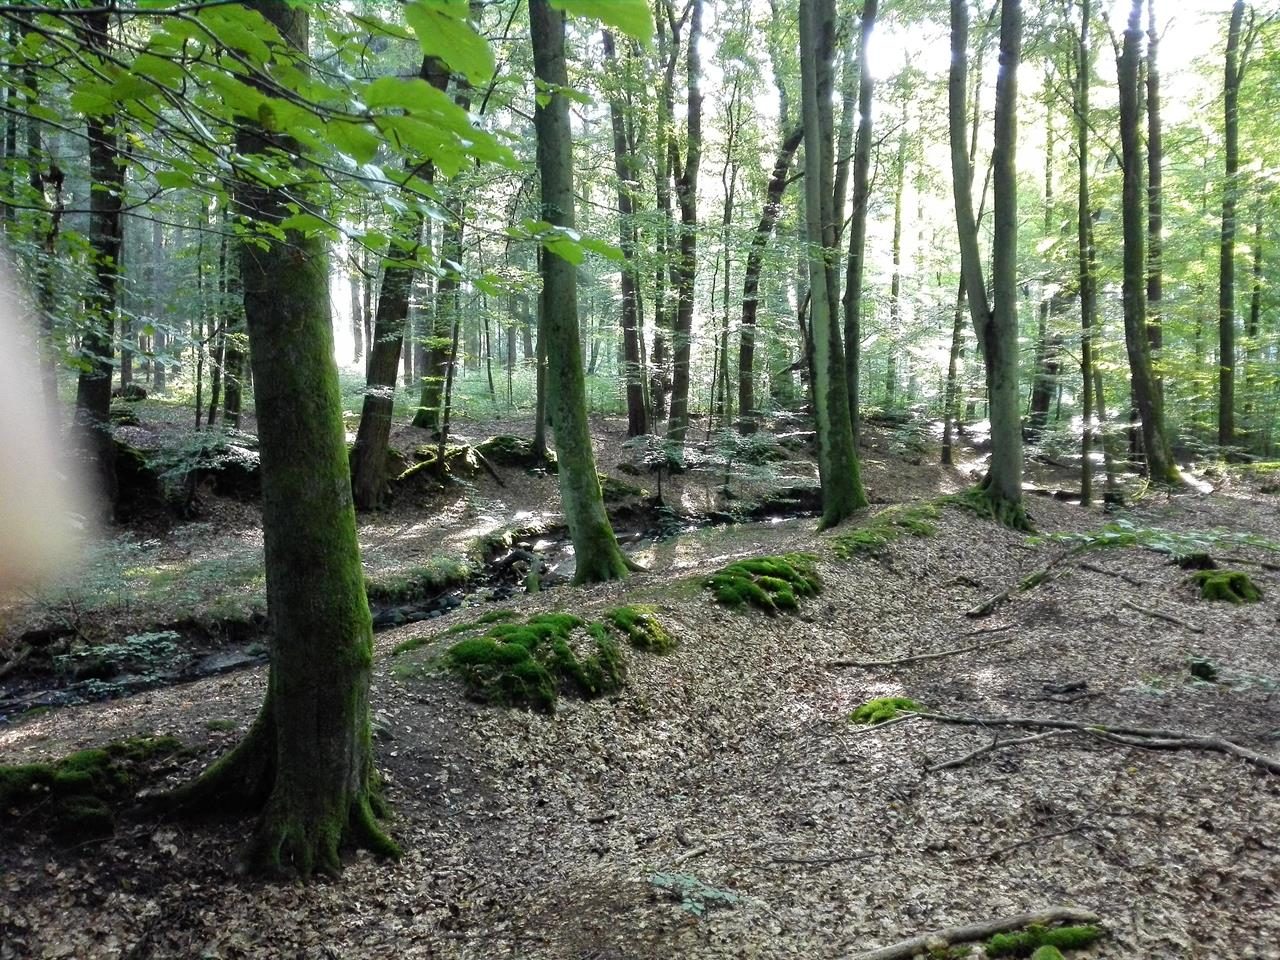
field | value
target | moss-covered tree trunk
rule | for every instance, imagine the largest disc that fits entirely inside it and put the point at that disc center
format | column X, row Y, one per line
column 596, row 548
column 842, row 492
column 1086, row 254
column 308, row 760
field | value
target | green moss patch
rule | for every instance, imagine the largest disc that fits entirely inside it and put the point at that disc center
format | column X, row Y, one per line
column 1028, row 942
column 408, row 583
column 471, row 626
column 766, row 583
column 506, row 450
column 80, row 795
column 528, row 664
column 893, row 523
column 1232, row 586
column 641, row 628
column 883, row 709
column 978, row 500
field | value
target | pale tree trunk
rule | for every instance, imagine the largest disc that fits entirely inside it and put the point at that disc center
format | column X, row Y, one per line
column 597, row 553
column 842, row 492
column 895, row 282
column 1146, row 396
column 1155, row 199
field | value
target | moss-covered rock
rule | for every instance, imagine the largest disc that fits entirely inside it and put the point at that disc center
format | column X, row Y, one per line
column 1047, row 952
column 80, row 795
column 613, row 489
column 505, row 450
column 641, row 627
column 766, row 583
column 1022, row 943
column 1232, row 586
column 893, row 523
column 409, row 583
column 883, row 709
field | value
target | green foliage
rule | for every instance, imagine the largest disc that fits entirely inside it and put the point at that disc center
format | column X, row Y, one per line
column 1231, row 586
column 1186, row 548
column 142, row 654
column 510, row 451
column 400, row 584
column 77, row 796
column 766, row 583
column 1047, row 952
column 641, row 627
column 890, row 524
column 882, row 709
column 695, row 896
column 1021, row 943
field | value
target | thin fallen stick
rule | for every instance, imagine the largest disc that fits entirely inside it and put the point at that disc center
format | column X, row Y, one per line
column 1030, row 581
column 877, row 727
column 689, row 855
column 976, row 931
column 822, row 861
column 937, row 655
column 1167, row 618
column 1127, row 578
column 1010, row 847
column 1129, row 736
column 993, row 746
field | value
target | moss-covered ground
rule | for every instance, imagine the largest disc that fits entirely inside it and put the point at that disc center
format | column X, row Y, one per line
column 890, row 524
column 1231, row 586
column 883, row 709
column 770, row 584
column 1028, row 942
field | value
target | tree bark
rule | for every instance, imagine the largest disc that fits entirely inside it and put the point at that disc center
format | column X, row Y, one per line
column 596, row 548
column 1227, row 244
column 842, row 492
column 1085, row 251
column 1146, row 396
column 1155, row 199
column 308, row 759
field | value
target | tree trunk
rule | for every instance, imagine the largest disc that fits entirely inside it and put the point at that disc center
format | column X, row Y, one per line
column 93, row 388
column 895, row 283
column 1086, row 254
column 751, row 282
column 596, row 548
column 308, row 759
column 1227, row 245
column 842, row 492
column 1146, row 396
column 1155, row 198
column 357, row 315
column 685, row 172
column 855, row 270
column 628, row 178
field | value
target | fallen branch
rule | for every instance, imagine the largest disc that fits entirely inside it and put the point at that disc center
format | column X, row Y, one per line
column 823, row 861
column 1010, row 847
column 937, row 655
column 1128, row 736
column 1033, row 579
column 1167, row 618
column 976, row 931
column 1127, row 578
column 690, row 854
column 991, row 747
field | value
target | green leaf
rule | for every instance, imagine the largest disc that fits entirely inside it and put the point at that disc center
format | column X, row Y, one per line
column 173, row 180
column 443, row 31
column 632, row 17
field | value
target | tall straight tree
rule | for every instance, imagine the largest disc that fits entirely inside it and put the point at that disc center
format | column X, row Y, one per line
column 595, row 547
column 856, row 268
column 307, row 761
column 1086, row 253
column 684, row 171
column 1146, row 395
column 842, row 492
column 106, row 237
column 995, row 321
column 1155, row 196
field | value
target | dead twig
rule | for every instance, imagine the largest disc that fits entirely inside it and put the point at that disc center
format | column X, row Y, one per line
column 1167, row 618
column 689, row 855
column 1127, row 578
column 1032, row 580
column 937, row 655
column 1128, row 736
column 822, row 861
column 976, row 931
column 1010, row 847
column 991, row 747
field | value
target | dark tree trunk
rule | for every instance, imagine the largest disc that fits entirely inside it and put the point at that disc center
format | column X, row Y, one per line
column 308, row 758
column 751, row 280
column 1085, row 250
column 1227, row 246
column 596, row 549
column 1155, row 199
column 93, row 388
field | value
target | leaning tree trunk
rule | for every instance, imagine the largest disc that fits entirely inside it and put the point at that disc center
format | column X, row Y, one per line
column 1146, row 396
column 751, row 280
column 93, row 388
column 855, row 270
column 596, row 548
column 308, row 758
column 842, row 492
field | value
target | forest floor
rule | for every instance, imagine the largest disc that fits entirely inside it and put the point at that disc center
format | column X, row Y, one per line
column 723, row 804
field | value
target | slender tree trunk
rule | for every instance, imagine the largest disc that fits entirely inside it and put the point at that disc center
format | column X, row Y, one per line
column 1227, row 245
column 1155, row 200
column 357, row 316
column 93, row 388
column 1085, row 250
column 895, row 282
column 1146, row 396
column 308, row 758
column 842, row 492
column 751, row 280
column 596, row 548
column 856, row 268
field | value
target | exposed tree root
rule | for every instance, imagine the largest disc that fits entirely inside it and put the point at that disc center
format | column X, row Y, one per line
column 1145, row 738
column 977, row 931
column 991, row 747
